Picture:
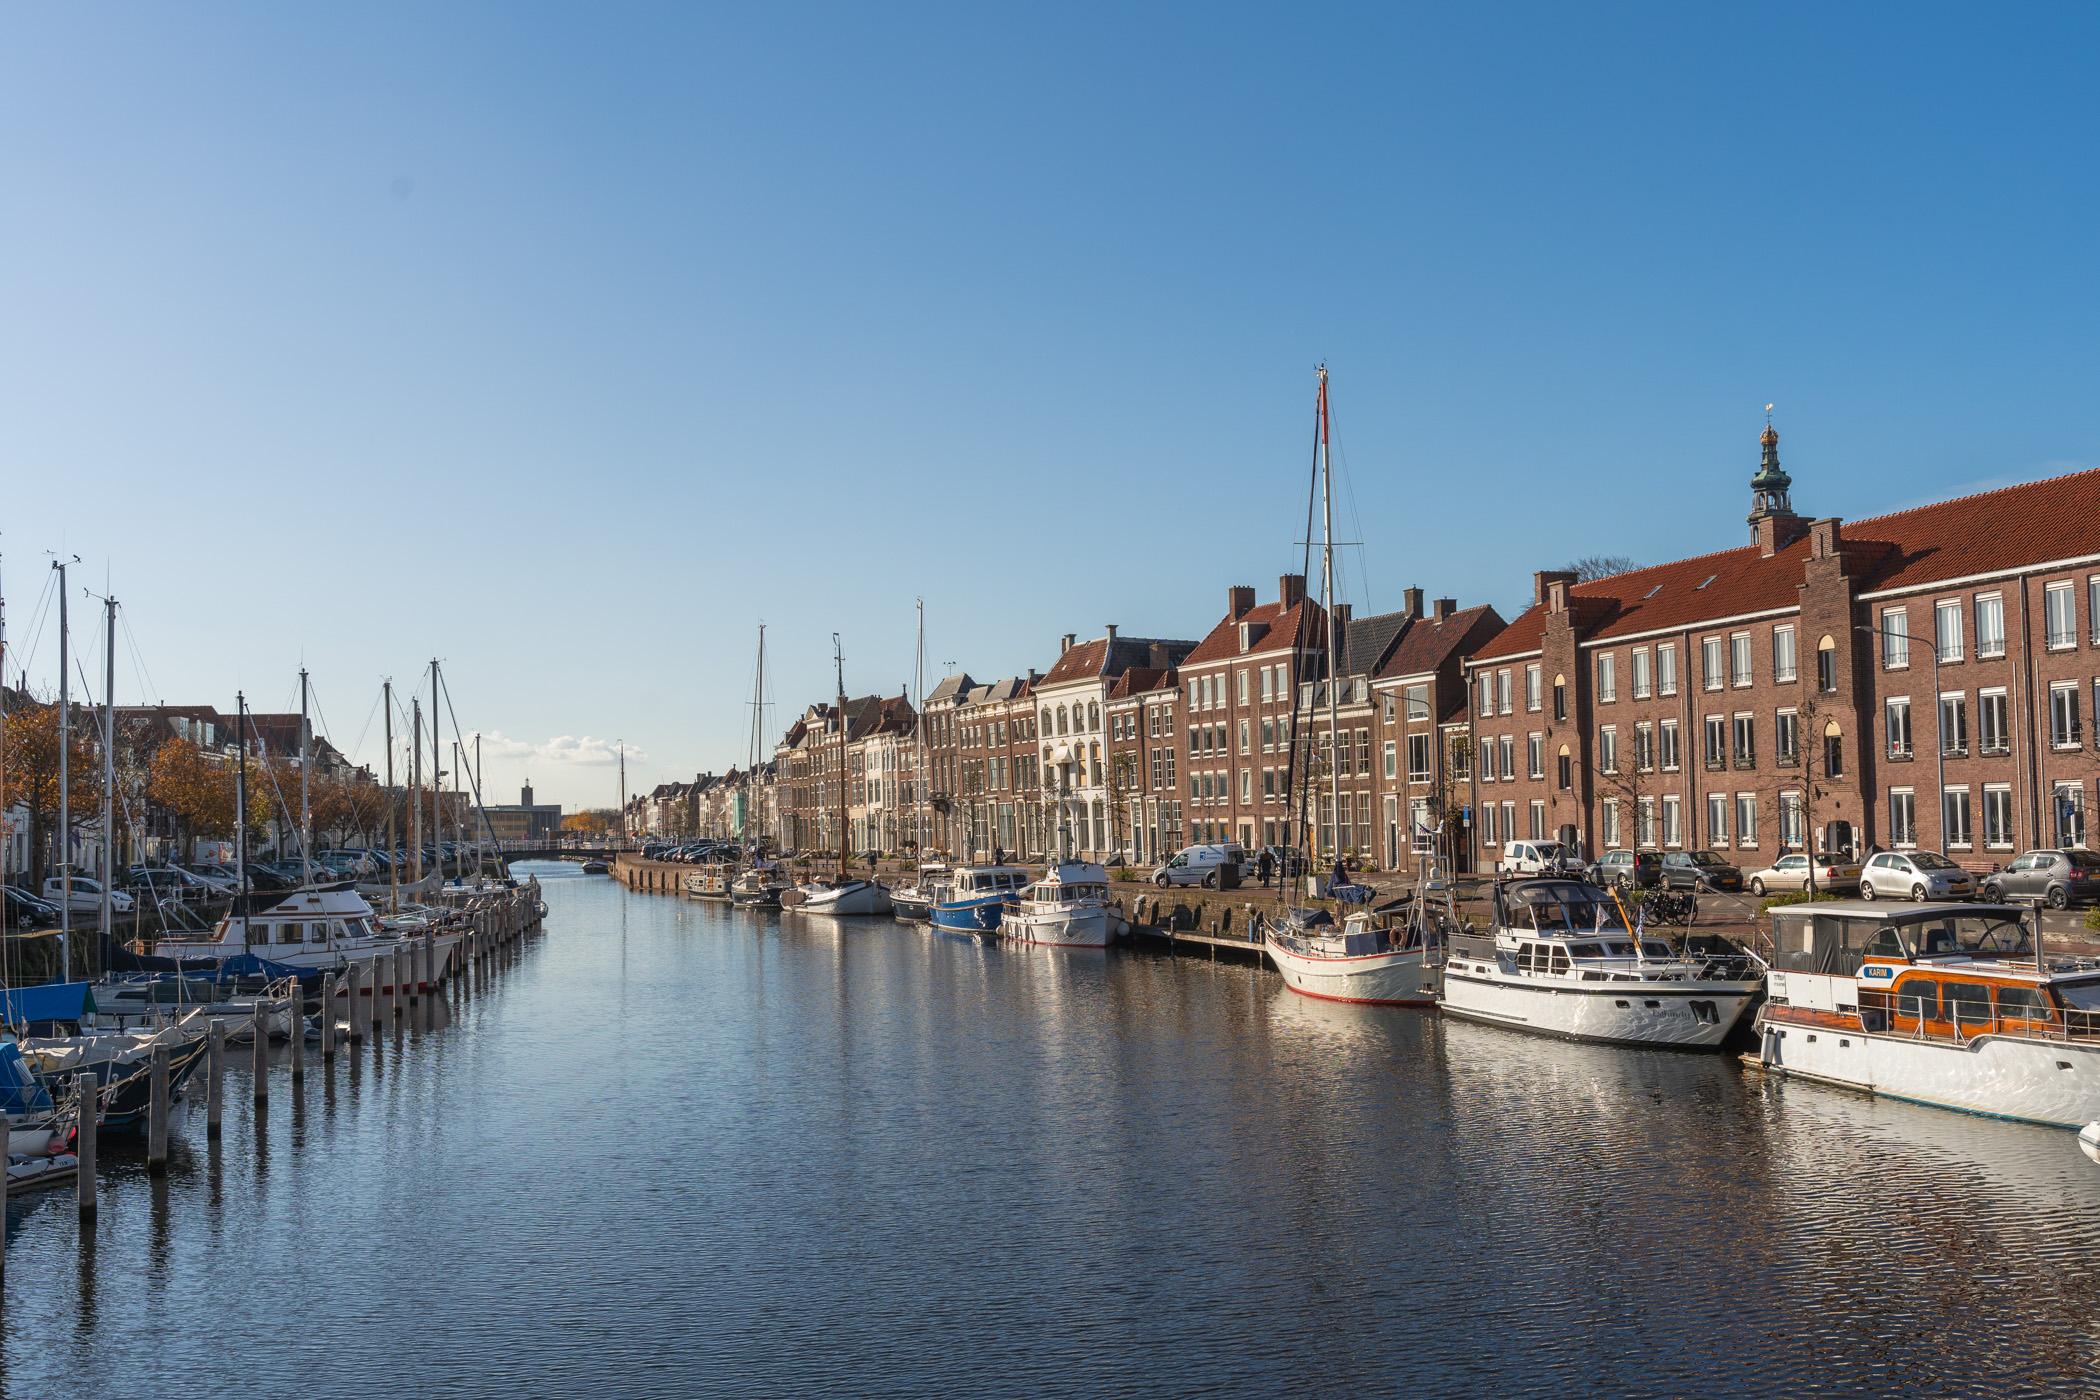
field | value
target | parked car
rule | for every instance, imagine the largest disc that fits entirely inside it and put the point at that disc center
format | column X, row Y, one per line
column 2058, row 878
column 1700, row 870
column 86, row 895
column 25, row 910
column 1212, row 866
column 1790, row 873
column 1914, row 875
column 1628, row 870
column 1538, row 858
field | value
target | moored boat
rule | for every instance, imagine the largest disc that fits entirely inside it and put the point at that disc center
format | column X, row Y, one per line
column 711, row 881
column 1067, row 908
column 596, row 867
column 1561, row 961
column 915, row 901
column 840, row 897
column 1378, row 959
column 977, row 897
column 759, row 887
column 1951, row 1005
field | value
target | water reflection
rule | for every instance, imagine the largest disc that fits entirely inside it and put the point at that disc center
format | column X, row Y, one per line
column 678, row 1148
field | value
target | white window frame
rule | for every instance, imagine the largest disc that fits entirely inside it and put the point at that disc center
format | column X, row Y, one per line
column 1786, row 662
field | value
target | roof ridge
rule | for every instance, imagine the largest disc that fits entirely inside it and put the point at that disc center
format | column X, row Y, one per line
column 1973, row 496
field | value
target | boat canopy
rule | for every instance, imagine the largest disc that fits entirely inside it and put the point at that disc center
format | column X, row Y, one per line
column 53, row 1001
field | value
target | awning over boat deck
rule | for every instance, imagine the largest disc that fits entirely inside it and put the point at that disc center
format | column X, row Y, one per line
column 53, row 1001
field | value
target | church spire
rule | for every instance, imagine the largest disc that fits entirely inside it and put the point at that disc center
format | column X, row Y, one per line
column 1768, row 489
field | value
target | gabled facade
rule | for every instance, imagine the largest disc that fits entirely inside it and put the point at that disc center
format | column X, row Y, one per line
column 1071, row 733
column 1240, row 688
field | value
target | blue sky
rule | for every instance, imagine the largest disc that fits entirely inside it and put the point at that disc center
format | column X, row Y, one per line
column 569, row 343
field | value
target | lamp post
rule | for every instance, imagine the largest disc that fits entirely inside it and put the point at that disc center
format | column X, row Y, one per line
column 1939, row 738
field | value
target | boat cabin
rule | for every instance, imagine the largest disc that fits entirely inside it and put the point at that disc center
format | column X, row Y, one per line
column 1072, row 882
column 977, row 881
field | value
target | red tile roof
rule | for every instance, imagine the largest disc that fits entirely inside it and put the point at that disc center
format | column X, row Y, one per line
column 1141, row 680
column 1988, row 532
column 1428, row 644
column 1281, row 624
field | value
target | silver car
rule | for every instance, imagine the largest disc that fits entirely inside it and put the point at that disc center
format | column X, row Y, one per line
column 1914, row 875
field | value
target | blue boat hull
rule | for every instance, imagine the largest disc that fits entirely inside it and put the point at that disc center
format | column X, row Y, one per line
column 980, row 915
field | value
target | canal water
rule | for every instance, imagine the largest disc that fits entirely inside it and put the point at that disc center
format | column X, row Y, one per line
column 674, row 1149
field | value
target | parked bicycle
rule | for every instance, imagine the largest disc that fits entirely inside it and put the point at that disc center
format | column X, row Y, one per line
column 1676, row 907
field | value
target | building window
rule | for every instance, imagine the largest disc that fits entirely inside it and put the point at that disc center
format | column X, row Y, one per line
column 1242, row 682
column 1418, row 758
column 1786, row 738
column 1246, row 733
column 1954, row 724
column 1508, row 745
column 1992, row 736
column 1537, row 818
column 2069, row 809
column 1710, row 662
column 1673, row 820
column 1566, row 773
column 1246, row 786
column 1739, row 659
column 1746, row 819
column 1644, row 820
column 1783, row 654
column 1895, row 639
column 1531, row 688
column 1990, row 624
column 1792, row 829
column 1954, row 818
column 1607, row 678
column 1461, row 757
column 1716, row 742
column 1392, row 759
column 1535, row 755
column 1642, row 684
column 1896, row 721
column 1502, row 702
column 2060, row 609
column 1487, row 824
column 1997, row 816
column 1608, row 748
column 1267, row 689
column 1666, row 668
column 1644, row 747
column 1833, row 752
column 1946, row 629
column 1560, row 697
column 1611, row 821
column 2064, row 732
column 1745, row 741
column 1826, row 666
column 1717, row 818
column 1669, row 745
column 1901, row 817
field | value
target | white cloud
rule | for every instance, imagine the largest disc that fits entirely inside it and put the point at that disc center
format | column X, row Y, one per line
column 582, row 751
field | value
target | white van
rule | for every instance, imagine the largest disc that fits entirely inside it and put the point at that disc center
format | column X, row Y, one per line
column 1536, row 858
column 1213, row 867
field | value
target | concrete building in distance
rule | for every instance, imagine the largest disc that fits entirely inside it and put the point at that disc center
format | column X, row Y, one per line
column 1920, row 679
column 527, row 820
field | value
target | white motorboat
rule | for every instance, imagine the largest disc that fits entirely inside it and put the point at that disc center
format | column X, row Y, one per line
column 320, row 927
column 1377, row 959
column 714, row 880
column 759, row 887
column 915, row 901
column 1951, row 1005
column 145, row 1002
column 1562, row 962
column 1068, row 908
column 840, row 897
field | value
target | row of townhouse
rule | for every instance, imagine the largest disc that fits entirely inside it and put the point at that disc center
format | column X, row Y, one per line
column 1919, row 679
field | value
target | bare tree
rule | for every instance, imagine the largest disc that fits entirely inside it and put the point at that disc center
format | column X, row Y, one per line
column 1591, row 567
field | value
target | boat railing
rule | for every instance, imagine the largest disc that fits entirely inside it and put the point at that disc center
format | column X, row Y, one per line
column 1961, row 1023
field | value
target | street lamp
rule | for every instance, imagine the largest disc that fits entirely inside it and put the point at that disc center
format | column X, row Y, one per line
column 1939, row 738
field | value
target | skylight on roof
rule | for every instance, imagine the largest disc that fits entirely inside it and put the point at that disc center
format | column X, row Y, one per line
column 1709, row 579
column 1652, row 592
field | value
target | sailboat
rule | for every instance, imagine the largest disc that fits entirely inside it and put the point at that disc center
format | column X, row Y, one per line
column 915, row 901
column 845, row 894
column 1366, row 958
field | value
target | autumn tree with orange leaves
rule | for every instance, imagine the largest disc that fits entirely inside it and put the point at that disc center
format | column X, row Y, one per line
column 31, row 777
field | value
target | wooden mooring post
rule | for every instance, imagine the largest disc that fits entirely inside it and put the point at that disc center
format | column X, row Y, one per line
column 356, row 991
column 157, row 1115
column 259, row 1061
column 214, row 1080
column 87, row 1098
column 296, row 1004
column 328, row 1019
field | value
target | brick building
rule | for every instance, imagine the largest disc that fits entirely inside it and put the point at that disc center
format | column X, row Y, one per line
column 1763, row 697
column 1424, row 757
column 1239, row 685
column 1144, row 751
column 944, row 762
column 1072, row 731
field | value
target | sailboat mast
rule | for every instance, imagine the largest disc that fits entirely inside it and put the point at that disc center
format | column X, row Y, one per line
column 65, row 787
column 919, row 789
column 306, row 811
column 415, row 788
column 437, row 776
column 758, row 726
column 393, row 866
column 109, row 762
column 838, row 662
column 623, row 793
column 240, row 797
column 1334, row 752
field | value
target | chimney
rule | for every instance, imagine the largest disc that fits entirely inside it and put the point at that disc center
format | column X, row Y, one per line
column 1442, row 608
column 1411, row 601
column 1239, row 599
column 1543, row 581
column 1342, row 613
column 1111, row 634
column 1290, row 589
column 1065, row 643
column 1824, row 538
column 1557, row 595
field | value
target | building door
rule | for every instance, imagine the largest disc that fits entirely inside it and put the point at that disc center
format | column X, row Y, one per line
column 1392, row 833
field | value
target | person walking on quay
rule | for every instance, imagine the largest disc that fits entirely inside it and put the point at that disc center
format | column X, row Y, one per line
column 998, row 855
column 1265, row 867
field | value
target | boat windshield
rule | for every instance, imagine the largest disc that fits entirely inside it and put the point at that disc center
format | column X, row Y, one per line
column 1944, row 935
column 2083, row 996
column 1569, row 909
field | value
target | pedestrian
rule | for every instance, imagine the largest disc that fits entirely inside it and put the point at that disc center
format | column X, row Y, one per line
column 1265, row 867
column 1341, row 876
column 998, row 855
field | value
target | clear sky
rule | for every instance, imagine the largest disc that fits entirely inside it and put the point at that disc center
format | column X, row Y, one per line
column 570, row 342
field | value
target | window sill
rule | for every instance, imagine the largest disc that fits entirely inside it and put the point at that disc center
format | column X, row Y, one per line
column 1746, row 765
column 1995, row 750
column 1990, row 655
column 1954, row 753
column 1790, row 678
column 1904, row 757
